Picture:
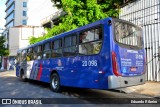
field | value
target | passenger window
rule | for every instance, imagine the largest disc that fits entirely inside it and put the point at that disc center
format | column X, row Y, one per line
column 23, row 57
column 39, row 53
column 18, row 57
column 35, row 50
column 30, row 55
column 90, row 41
column 70, row 47
column 57, row 48
column 47, row 50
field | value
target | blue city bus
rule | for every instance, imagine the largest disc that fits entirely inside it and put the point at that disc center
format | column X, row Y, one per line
column 106, row 54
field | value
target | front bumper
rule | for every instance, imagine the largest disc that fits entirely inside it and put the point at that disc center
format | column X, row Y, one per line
column 119, row 81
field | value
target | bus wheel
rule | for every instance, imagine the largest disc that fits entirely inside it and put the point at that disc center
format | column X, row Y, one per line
column 55, row 83
column 22, row 76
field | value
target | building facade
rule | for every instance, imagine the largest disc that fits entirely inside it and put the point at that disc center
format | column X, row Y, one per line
column 16, row 13
column 53, row 19
column 146, row 13
column 23, row 18
column 18, row 36
column 27, row 12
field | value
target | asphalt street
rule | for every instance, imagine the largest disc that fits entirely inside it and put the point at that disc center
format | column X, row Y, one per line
column 13, row 87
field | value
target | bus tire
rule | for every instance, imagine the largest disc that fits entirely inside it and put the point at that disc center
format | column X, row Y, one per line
column 55, row 83
column 22, row 76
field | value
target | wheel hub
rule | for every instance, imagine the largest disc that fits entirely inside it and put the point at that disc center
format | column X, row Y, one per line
column 54, row 83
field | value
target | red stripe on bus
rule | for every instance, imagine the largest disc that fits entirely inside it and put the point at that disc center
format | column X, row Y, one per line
column 39, row 72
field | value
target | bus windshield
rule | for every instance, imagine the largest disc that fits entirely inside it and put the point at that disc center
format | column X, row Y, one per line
column 128, row 34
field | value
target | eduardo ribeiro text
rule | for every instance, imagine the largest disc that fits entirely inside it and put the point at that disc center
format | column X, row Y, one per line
column 145, row 101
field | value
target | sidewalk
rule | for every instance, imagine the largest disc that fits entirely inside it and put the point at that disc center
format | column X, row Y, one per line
column 7, row 73
column 149, row 88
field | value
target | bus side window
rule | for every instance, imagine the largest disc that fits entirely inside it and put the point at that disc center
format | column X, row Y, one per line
column 18, row 58
column 47, row 50
column 98, row 41
column 39, row 52
column 35, row 50
column 90, row 41
column 24, row 53
column 57, row 48
column 30, row 54
column 70, row 47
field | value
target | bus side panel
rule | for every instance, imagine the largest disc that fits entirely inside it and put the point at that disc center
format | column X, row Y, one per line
column 105, row 57
column 85, row 71
column 90, row 71
column 50, row 65
column 69, row 72
column 34, row 70
column 44, row 70
column 40, row 70
column 76, row 74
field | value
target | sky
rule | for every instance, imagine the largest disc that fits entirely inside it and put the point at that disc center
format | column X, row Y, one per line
column 2, row 13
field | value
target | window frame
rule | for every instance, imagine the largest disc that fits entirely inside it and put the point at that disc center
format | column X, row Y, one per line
column 76, row 45
column 24, row 21
column 30, row 52
column 24, row 4
column 18, row 57
column 24, row 13
column 52, row 47
column 100, row 40
column 90, row 29
column 40, row 52
column 48, row 50
column 121, row 44
column 24, row 58
column 35, row 51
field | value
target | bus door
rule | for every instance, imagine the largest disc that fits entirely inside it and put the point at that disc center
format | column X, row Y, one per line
column 37, row 68
column 30, row 61
column 23, row 63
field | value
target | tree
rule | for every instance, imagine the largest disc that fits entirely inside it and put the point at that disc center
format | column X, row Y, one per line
column 80, row 13
column 3, row 51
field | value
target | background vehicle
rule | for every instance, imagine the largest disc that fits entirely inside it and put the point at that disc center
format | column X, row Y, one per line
column 106, row 54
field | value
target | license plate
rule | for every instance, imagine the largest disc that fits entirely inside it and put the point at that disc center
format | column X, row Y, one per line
column 133, row 69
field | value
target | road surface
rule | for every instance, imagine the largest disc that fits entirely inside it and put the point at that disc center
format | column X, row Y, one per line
column 13, row 87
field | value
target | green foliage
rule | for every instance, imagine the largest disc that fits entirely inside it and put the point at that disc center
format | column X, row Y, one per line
column 3, row 51
column 80, row 13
